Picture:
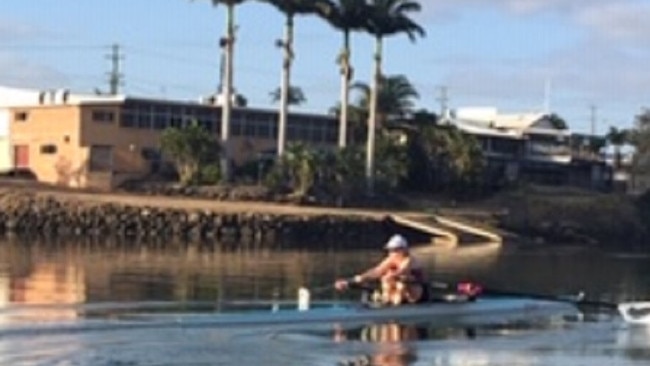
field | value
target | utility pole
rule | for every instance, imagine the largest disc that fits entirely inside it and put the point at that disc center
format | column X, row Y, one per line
column 547, row 96
column 115, row 76
column 593, row 109
column 443, row 99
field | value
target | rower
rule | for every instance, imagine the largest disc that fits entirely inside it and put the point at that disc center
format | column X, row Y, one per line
column 402, row 277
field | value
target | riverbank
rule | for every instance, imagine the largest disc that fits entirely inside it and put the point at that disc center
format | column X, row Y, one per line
column 569, row 215
column 27, row 208
column 529, row 215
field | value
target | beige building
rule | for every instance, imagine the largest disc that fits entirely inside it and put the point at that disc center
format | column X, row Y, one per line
column 102, row 141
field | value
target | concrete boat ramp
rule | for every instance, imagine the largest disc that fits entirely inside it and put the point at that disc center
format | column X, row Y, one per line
column 447, row 230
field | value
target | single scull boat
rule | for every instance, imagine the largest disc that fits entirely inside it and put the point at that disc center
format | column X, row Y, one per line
column 489, row 309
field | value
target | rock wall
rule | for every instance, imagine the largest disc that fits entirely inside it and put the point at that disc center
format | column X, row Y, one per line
column 29, row 214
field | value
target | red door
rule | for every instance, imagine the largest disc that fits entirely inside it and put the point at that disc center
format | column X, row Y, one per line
column 21, row 156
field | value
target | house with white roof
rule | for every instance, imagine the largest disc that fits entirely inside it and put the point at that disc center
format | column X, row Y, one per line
column 529, row 136
column 529, row 145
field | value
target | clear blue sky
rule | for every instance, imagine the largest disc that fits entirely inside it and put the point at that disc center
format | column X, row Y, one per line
column 487, row 53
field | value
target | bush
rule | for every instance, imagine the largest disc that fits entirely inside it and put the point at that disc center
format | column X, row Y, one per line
column 210, row 174
column 570, row 216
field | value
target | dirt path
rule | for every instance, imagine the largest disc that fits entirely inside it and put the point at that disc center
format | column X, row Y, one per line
column 190, row 203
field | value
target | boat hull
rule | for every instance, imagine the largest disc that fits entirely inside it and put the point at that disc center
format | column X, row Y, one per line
column 480, row 311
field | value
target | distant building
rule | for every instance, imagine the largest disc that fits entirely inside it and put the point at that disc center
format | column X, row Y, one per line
column 101, row 141
column 529, row 147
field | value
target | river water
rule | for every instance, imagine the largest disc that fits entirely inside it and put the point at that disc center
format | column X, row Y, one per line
column 53, row 295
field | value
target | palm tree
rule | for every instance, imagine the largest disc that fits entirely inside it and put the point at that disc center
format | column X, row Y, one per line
column 290, row 8
column 346, row 16
column 228, row 43
column 356, row 121
column 394, row 100
column 296, row 95
column 385, row 18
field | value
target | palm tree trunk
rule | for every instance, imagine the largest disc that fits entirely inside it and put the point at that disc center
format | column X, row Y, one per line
column 226, row 109
column 286, row 82
column 372, row 119
column 345, row 89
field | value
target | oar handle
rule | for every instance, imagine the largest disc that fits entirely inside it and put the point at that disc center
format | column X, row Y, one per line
column 351, row 284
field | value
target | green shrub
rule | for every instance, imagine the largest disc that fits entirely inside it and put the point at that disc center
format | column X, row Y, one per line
column 210, row 174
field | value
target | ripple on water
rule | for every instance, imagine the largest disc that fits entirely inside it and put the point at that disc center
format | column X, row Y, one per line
column 602, row 342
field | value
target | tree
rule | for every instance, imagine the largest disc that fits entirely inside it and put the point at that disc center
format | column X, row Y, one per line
column 297, row 167
column 296, row 95
column 344, row 173
column 557, row 122
column 191, row 149
column 357, row 119
column 639, row 137
column 395, row 98
column 290, row 8
column 423, row 117
column 386, row 18
column 228, row 44
column 617, row 138
column 346, row 16
column 442, row 157
column 392, row 161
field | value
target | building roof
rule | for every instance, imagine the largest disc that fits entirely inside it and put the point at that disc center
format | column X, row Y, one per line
column 11, row 97
column 488, row 121
column 18, row 97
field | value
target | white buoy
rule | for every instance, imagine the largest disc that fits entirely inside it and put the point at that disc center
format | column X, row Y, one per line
column 304, row 298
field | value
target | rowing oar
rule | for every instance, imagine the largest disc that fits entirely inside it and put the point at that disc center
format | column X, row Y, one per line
column 304, row 294
column 632, row 312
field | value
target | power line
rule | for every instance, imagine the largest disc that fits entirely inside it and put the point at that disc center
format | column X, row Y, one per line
column 170, row 56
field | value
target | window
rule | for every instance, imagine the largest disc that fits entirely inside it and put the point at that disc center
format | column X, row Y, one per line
column 176, row 121
column 48, row 149
column 236, row 128
column 292, row 133
column 160, row 121
column 331, row 136
column 101, row 158
column 21, row 116
column 264, row 130
column 127, row 120
column 103, row 116
column 249, row 129
column 144, row 120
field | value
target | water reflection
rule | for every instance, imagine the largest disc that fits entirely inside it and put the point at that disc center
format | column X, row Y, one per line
column 49, row 284
column 73, row 273
column 398, row 344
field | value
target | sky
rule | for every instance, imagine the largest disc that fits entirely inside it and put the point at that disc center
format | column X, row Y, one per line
column 585, row 59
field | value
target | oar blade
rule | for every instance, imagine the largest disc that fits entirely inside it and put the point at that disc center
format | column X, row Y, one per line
column 635, row 312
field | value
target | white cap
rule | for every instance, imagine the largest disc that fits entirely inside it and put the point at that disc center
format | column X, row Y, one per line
column 396, row 242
